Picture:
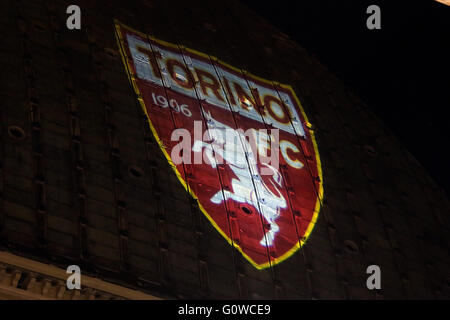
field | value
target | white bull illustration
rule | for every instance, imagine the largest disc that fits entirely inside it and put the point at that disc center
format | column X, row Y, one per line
column 232, row 146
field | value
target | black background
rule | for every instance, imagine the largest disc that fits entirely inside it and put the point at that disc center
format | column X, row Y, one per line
column 168, row 309
column 401, row 71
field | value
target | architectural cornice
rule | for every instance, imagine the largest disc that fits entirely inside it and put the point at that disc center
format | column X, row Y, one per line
column 26, row 279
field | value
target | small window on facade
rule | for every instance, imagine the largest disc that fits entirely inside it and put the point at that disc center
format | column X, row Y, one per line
column 111, row 52
column 39, row 26
column 135, row 172
column 370, row 150
column 351, row 247
column 15, row 132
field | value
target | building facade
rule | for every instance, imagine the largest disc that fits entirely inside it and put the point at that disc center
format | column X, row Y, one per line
column 87, row 176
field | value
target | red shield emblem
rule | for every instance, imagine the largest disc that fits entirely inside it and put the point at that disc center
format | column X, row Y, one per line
column 247, row 152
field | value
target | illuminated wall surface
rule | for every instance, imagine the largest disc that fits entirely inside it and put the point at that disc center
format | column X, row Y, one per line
column 265, row 215
column 87, row 174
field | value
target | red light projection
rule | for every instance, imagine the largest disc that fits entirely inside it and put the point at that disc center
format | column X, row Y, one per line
column 266, row 210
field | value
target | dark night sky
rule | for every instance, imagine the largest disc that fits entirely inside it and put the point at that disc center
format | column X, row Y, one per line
column 401, row 71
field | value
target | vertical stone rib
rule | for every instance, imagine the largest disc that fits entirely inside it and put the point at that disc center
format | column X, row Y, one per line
column 39, row 185
column 115, row 160
column 76, row 146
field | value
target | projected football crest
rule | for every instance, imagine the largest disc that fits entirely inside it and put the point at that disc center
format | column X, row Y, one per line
column 239, row 144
